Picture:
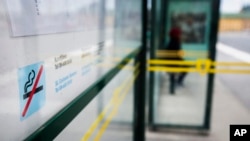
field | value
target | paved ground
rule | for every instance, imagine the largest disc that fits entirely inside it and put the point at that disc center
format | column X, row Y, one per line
column 239, row 40
column 237, row 83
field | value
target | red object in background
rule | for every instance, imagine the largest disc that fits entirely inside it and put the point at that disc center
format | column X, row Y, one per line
column 175, row 32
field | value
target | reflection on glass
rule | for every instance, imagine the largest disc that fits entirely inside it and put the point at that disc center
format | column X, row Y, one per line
column 192, row 25
column 187, row 37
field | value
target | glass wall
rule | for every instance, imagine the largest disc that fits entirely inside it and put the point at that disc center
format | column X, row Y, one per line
column 179, row 84
column 109, row 115
column 54, row 52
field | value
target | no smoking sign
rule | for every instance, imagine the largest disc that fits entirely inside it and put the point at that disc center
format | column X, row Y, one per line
column 31, row 80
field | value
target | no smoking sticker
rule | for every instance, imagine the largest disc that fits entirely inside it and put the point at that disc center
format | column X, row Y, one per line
column 31, row 81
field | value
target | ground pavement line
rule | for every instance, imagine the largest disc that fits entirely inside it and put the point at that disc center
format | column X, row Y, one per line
column 229, row 50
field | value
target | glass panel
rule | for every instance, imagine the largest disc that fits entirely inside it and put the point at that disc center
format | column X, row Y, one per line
column 50, row 38
column 120, row 127
column 186, row 106
column 68, row 46
column 180, row 98
column 108, row 114
column 128, row 23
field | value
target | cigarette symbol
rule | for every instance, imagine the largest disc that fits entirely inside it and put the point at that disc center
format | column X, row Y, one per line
column 34, row 90
column 29, row 83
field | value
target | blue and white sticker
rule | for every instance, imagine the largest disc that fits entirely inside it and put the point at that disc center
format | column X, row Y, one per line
column 31, row 81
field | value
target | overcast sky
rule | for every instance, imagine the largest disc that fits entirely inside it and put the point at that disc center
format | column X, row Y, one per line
column 232, row 6
column 227, row 6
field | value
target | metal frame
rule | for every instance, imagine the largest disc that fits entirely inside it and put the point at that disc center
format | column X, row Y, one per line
column 151, row 74
column 212, row 53
column 153, row 39
column 215, row 6
column 140, row 89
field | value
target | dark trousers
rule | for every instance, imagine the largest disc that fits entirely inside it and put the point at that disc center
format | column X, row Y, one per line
column 175, row 78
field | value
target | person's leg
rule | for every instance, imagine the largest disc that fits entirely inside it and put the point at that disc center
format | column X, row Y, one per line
column 181, row 78
column 181, row 75
column 172, row 83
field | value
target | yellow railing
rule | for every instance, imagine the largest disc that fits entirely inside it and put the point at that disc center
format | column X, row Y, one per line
column 202, row 66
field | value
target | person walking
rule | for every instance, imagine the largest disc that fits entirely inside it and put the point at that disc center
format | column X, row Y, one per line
column 174, row 44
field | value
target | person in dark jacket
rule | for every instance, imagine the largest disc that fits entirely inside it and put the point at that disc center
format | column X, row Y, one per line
column 174, row 44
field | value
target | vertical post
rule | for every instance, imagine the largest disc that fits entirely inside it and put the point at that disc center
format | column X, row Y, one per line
column 212, row 44
column 155, row 43
column 152, row 55
column 139, row 90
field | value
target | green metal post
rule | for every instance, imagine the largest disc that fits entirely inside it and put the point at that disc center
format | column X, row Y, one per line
column 212, row 44
column 139, row 91
column 151, row 74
